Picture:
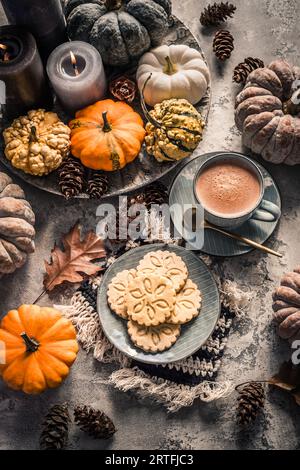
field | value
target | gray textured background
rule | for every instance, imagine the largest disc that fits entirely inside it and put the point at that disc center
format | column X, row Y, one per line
column 262, row 28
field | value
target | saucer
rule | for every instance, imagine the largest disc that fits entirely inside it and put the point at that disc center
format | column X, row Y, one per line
column 182, row 192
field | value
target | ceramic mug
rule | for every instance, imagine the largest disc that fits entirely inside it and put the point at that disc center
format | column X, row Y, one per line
column 263, row 210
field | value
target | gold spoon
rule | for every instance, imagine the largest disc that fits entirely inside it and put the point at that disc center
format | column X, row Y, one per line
column 242, row 239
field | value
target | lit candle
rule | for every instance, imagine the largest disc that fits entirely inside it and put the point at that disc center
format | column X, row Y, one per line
column 21, row 69
column 77, row 75
column 43, row 18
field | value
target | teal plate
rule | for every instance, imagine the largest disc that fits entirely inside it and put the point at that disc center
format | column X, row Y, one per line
column 193, row 334
column 181, row 192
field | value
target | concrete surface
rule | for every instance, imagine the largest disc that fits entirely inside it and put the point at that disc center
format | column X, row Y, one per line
column 265, row 29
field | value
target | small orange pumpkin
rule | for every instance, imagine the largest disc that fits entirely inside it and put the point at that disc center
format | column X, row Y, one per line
column 107, row 135
column 39, row 348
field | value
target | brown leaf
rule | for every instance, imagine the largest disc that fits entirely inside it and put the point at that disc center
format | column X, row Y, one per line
column 288, row 378
column 74, row 262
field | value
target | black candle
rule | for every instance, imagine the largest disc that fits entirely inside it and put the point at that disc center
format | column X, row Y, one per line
column 22, row 71
column 43, row 18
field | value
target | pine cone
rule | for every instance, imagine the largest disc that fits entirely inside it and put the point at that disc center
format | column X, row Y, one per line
column 123, row 89
column 243, row 69
column 250, row 402
column 97, row 185
column 223, row 44
column 155, row 193
column 71, row 177
column 217, row 13
column 55, row 428
column 94, row 422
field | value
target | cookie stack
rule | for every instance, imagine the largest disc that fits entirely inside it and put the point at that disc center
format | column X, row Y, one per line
column 156, row 298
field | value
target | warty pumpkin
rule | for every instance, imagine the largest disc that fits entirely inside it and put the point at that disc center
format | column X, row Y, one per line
column 174, row 129
column 37, row 143
column 107, row 135
column 39, row 348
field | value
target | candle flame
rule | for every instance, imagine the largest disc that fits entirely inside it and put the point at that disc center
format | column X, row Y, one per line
column 6, row 56
column 74, row 63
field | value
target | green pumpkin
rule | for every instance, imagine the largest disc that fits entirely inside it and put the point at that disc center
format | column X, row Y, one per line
column 121, row 30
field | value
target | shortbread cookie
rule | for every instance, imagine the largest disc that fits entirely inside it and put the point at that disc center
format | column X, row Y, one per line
column 165, row 263
column 187, row 304
column 150, row 299
column 153, row 338
column 117, row 290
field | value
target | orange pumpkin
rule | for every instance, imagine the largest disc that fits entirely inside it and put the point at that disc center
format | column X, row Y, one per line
column 107, row 135
column 39, row 348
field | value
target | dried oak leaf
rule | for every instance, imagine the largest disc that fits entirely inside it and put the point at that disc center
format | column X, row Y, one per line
column 288, row 378
column 74, row 262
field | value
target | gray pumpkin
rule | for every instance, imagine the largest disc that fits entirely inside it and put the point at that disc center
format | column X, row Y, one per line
column 16, row 226
column 121, row 30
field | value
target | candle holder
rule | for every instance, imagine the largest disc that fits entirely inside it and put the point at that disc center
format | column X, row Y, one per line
column 76, row 72
column 44, row 19
column 22, row 72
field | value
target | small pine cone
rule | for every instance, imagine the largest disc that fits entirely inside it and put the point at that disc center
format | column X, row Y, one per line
column 123, row 89
column 155, row 193
column 223, row 44
column 217, row 13
column 97, row 185
column 71, row 177
column 250, row 401
column 94, row 422
column 243, row 69
column 55, row 428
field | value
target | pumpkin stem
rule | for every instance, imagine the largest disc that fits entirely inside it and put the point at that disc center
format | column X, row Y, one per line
column 292, row 106
column 33, row 135
column 148, row 116
column 113, row 4
column 31, row 344
column 169, row 68
column 106, row 126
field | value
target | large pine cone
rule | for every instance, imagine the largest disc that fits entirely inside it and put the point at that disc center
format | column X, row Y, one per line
column 286, row 306
column 250, row 402
column 94, row 422
column 217, row 13
column 16, row 226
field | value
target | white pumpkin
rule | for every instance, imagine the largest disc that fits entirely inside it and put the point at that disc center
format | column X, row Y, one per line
column 178, row 71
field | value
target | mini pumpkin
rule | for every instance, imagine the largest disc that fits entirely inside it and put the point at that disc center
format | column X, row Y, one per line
column 266, row 113
column 121, row 30
column 37, row 143
column 286, row 306
column 177, row 71
column 107, row 135
column 39, row 348
column 174, row 130
column 16, row 226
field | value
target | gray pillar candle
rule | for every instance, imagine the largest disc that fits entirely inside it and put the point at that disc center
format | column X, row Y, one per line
column 76, row 72
column 22, row 71
column 43, row 18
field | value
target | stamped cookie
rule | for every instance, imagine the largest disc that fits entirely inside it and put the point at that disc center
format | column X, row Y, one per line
column 150, row 299
column 187, row 304
column 117, row 290
column 165, row 263
column 153, row 338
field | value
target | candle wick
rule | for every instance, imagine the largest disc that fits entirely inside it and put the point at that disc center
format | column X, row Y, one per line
column 74, row 63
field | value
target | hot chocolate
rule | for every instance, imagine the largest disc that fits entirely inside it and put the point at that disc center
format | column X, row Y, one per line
column 228, row 189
